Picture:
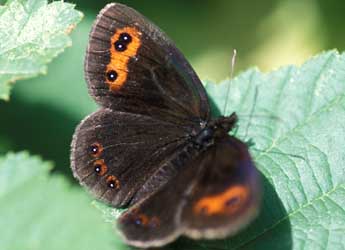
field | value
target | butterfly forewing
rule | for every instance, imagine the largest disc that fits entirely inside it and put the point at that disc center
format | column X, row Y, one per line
column 148, row 75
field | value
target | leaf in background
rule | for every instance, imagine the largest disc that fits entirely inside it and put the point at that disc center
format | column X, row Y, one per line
column 32, row 33
column 42, row 211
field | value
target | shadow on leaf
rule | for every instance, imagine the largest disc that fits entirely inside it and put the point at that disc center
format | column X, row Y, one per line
column 41, row 129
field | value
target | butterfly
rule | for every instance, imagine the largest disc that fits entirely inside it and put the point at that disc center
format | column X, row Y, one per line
column 153, row 146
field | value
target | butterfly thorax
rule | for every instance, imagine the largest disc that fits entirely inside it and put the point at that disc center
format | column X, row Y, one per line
column 214, row 129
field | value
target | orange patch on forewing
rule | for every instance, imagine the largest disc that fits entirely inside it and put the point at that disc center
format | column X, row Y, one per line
column 227, row 202
column 102, row 165
column 119, row 59
column 112, row 178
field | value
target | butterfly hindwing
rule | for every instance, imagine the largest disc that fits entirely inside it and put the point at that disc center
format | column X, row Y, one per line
column 155, row 220
column 132, row 66
column 214, row 194
column 227, row 193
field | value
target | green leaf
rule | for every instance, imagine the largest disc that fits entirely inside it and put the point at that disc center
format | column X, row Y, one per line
column 40, row 211
column 32, row 33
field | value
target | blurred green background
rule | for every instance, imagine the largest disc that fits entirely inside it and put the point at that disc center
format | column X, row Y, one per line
column 44, row 111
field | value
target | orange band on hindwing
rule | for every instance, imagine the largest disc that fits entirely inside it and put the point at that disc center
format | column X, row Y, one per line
column 124, row 45
column 227, row 202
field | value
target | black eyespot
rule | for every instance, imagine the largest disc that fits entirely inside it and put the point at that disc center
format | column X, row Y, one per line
column 94, row 149
column 120, row 46
column 98, row 168
column 111, row 184
column 138, row 222
column 125, row 38
column 111, row 75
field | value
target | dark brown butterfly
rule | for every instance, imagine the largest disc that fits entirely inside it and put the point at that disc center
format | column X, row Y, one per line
column 153, row 145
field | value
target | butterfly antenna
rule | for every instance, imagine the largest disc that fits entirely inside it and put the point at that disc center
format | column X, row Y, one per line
column 233, row 60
